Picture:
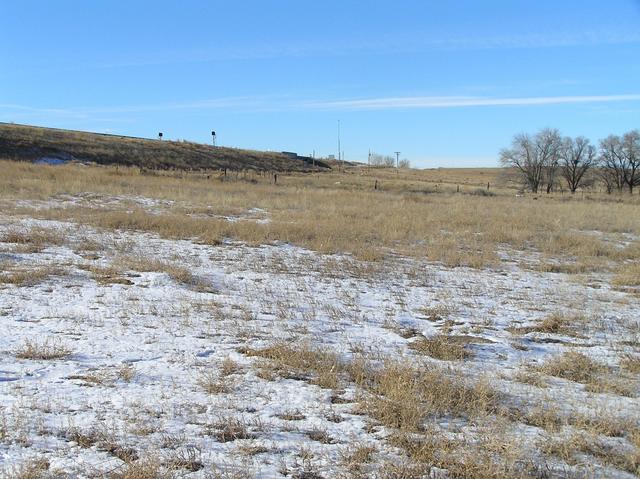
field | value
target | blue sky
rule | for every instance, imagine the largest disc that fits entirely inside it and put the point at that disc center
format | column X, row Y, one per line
column 446, row 83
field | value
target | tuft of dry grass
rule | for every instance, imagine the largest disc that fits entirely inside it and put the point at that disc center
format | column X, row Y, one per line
column 573, row 366
column 187, row 459
column 294, row 415
column 36, row 468
column 530, row 377
column 104, row 439
column 595, row 376
column 443, row 347
column 460, row 459
column 47, row 349
column 627, row 275
column 356, row 456
column 126, row 372
column 229, row 367
column 33, row 240
column 227, row 429
column 212, row 383
column 631, row 363
column 26, row 277
column 321, row 436
column 146, row 468
column 113, row 273
column 609, row 383
column 106, row 275
column 319, row 366
column 402, row 396
column 572, row 448
column 554, row 323
column 438, row 312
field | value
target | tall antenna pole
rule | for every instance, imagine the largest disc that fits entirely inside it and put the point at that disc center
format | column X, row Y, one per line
column 339, row 150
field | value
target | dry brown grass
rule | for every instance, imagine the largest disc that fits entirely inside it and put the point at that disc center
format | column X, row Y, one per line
column 294, row 415
column 410, row 399
column 106, row 274
column 444, row 347
column 596, row 377
column 631, row 363
column 33, row 240
column 532, row 378
column 403, row 397
column 147, row 468
column 355, row 457
column 36, row 468
column 212, row 383
column 24, row 142
column 116, row 272
column 396, row 394
column 27, row 276
column 571, row 448
column 573, row 366
column 47, row 349
column 462, row 458
column 555, row 323
column 229, row 367
column 227, row 429
column 316, row 365
column 627, row 275
column 126, row 372
column 337, row 212
column 104, row 439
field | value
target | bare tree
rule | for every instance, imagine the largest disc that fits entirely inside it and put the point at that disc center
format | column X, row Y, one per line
column 536, row 158
column 631, row 156
column 404, row 163
column 611, row 165
column 577, row 156
column 549, row 143
column 377, row 159
column 522, row 156
column 620, row 161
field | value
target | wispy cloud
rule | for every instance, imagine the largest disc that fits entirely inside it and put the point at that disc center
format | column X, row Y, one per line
column 429, row 102
column 257, row 104
column 239, row 103
column 381, row 44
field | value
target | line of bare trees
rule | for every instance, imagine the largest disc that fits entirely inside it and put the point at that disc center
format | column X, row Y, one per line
column 378, row 160
column 547, row 159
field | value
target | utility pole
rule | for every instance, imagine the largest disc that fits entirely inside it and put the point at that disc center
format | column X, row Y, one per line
column 339, row 150
column 397, row 160
column 213, row 136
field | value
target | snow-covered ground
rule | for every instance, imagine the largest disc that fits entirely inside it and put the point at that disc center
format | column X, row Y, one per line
column 156, row 367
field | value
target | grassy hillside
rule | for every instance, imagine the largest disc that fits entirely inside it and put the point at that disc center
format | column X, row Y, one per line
column 29, row 143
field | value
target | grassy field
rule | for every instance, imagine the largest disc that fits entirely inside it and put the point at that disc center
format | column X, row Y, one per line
column 29, row 143
column 362, row 323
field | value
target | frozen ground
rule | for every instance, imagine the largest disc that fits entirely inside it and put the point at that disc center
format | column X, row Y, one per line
column 155, row 366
